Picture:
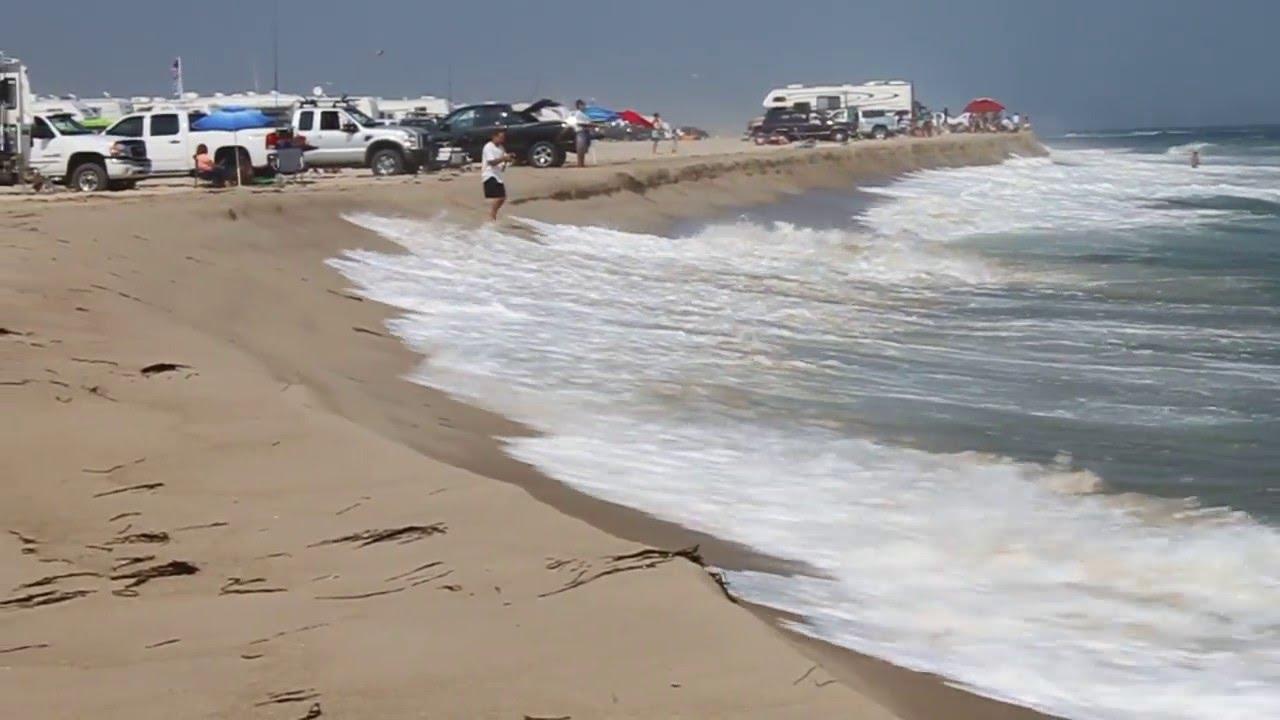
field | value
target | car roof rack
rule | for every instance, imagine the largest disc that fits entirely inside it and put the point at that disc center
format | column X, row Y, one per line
column 342, row 102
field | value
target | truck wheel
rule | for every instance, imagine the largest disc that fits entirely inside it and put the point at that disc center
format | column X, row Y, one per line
column 118, row 185
column 880, row 132
column 545, row 154
column 386, row 162
column 840, row 136
column 88, row 177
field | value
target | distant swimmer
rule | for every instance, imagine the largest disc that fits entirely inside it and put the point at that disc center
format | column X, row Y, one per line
column 1195, row 159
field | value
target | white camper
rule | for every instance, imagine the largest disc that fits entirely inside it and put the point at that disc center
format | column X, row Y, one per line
column 887, row 96
column 425, row 106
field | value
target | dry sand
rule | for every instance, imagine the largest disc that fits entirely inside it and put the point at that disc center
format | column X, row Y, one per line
column 220, row 500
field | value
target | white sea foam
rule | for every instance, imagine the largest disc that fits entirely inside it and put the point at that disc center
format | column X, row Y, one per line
column 1071, row 191
column 1124, row 134
column 672, row 375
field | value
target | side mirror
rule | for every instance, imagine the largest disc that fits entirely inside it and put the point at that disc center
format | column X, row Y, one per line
column 350, row 128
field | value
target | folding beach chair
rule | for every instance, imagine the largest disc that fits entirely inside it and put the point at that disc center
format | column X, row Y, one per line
column 290, row 164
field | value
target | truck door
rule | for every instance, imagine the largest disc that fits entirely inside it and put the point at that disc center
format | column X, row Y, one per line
column 333, row 144
column 46, row 157
column 461, row 127
column 165, row 145
column 489, row 119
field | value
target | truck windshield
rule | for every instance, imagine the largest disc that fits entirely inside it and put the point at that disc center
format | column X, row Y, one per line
column 361, row 118
column 67, row 125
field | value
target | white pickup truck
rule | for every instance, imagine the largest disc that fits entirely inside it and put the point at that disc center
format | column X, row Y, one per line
column 171, row 143
column 64, row 150
column 341, row 136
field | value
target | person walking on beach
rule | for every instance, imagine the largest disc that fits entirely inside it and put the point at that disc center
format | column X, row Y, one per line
column 661, row 130
column 494, row 160
column 582, row 131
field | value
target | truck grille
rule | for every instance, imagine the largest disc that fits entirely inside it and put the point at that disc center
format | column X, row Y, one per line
column 137, row 149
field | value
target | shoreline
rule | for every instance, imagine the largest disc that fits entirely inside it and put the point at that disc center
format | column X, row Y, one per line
column 360, row 381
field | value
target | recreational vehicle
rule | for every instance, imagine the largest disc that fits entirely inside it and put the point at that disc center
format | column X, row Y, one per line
column 890, row 96
column 395, row 110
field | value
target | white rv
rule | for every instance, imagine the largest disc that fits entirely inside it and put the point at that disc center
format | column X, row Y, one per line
column 889, row 96
column 399, row 109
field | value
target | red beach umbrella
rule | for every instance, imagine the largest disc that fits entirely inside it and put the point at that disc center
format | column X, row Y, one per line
column 984, row 105
column 635, row 118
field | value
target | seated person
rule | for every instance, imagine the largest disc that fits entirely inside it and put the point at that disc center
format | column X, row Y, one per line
column 206, row 169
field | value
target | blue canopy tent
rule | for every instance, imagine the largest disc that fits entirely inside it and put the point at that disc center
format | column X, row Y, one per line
column 233, row 119
column 599, row 114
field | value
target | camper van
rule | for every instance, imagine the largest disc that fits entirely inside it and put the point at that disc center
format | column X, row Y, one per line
column 880, row 104
column 894, row 96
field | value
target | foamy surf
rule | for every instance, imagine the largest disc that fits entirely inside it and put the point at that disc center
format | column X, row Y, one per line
column 716, row 380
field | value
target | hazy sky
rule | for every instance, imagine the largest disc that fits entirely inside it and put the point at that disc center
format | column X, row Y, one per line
column 1070, row 64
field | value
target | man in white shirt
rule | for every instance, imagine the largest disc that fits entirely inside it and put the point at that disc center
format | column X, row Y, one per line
column 493, row 161
column 581, row 123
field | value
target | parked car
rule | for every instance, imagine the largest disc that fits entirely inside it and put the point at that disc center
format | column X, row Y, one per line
column 689, row 132
column 340, row 135
column 794, row 125
column 171, row 143
column 63, row 150
column 540, row 143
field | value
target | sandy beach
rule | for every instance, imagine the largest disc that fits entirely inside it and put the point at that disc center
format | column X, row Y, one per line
column 222, row 499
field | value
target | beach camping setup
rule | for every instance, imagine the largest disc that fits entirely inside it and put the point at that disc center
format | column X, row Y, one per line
column 984, row 106
column 233, row 119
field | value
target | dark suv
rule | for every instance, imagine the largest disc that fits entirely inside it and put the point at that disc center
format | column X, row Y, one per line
column 793, row 125
column 540, row 143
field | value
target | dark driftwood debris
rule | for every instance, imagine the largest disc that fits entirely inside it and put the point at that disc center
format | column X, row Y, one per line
column 142, row 576
column 113, row 468
column 28, row 543
column 131, row 488
column 126, row 562
column 360, row 596
column 51, row 579
column 414, row 571
column 157, row 368
column 47, row 597
column 142, row 537
column 639, row 560
column 313, row 713
column 289, row 696
column 240, row 586
column 20, row 648
column 401, row 535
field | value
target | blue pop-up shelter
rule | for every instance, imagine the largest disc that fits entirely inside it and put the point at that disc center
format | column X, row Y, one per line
column 233, row 119
column 600, row 114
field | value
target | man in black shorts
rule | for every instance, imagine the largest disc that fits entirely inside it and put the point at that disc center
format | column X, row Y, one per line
column 493, row 161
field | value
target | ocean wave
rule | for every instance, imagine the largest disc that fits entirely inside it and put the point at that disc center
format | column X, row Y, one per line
column 1188, row 148
column 1125, row 134
column 1071, row 191
column 679, row 376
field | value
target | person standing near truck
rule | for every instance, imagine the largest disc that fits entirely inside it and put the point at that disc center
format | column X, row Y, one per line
column 494, row 159
column 582, row 131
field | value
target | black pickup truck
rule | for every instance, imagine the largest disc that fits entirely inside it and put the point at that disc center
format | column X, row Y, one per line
column 799, row 124
column 537, row 142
